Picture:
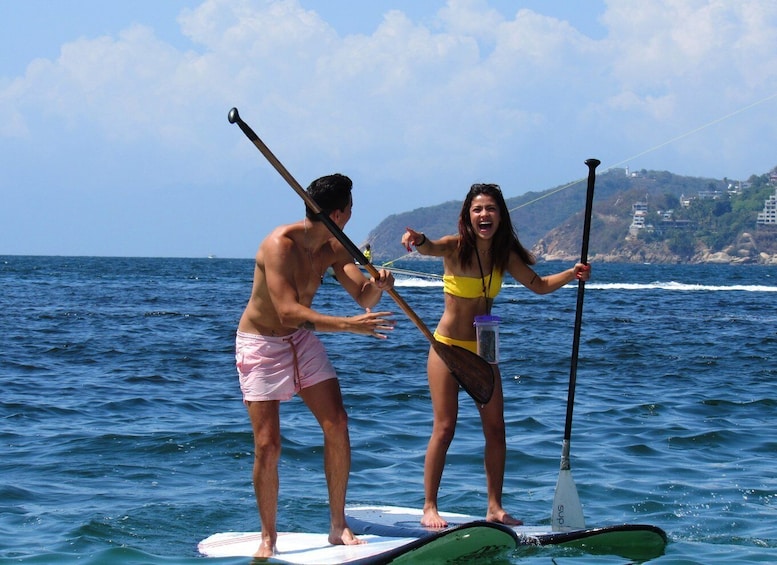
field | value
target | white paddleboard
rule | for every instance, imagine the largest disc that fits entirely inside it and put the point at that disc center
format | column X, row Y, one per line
column 465, row 543
column 635, row 541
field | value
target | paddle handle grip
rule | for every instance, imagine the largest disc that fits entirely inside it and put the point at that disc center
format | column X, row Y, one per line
column 589, row 201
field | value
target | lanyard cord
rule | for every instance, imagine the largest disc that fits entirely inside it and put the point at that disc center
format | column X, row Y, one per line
column 483, row 280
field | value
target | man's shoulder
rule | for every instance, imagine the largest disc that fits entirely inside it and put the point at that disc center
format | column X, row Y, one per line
column 281, row 235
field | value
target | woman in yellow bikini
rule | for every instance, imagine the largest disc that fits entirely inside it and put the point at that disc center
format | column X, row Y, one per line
column 475, row 261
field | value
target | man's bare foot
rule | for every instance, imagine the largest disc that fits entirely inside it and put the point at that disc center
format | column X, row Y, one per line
column 502, row 517
column 344, row 536
column 432, row 519
column 266, row 549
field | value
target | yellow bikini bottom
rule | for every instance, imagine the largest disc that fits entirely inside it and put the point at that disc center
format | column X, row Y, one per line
column 465, row 343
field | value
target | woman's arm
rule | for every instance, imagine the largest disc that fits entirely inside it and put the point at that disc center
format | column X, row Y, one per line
column 426, row 246
column 548, row 283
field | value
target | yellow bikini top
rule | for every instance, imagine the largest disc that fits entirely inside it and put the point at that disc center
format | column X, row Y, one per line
column 472, row 287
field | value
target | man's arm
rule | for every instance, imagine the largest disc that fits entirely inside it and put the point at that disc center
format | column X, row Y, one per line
column 365, row 291
column 292, row 304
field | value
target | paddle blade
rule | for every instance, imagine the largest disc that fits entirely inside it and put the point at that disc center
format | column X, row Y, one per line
column 567, row 510
column 473, row 373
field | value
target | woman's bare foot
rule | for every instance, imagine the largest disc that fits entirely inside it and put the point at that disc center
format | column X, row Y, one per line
column 343, row 536
column 432, row 519
column 266, row 549
column 502, row 517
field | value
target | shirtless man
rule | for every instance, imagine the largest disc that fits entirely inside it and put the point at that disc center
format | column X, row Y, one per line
column 277, row 354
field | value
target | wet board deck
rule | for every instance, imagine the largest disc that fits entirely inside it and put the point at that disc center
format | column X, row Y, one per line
column 463, row 543
column 634, row 541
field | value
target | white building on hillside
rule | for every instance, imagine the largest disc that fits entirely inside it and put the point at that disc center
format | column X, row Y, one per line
column 639, row 211
column 769, row 215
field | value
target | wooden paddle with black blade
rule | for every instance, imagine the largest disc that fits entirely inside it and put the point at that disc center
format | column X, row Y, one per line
column 472, row 372
column 567, row 510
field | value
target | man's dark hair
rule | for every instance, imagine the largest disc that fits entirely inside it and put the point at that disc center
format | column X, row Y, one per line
column 332, row 192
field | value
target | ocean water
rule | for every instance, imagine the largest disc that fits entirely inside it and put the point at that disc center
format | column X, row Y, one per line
column 123, row 438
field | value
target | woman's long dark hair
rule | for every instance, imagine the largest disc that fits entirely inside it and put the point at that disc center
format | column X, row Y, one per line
column 505, row 239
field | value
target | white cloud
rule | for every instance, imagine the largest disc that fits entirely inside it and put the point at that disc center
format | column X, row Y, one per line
column 470, row 94
column 677, row 43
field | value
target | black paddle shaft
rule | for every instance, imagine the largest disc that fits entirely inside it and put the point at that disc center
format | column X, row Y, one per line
column 234, row 118
column 589, row 200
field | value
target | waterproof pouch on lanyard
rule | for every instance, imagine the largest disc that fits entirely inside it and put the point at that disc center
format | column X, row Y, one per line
column 487, row 331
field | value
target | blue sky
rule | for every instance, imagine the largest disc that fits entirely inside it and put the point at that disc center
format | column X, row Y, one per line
column 114, row 137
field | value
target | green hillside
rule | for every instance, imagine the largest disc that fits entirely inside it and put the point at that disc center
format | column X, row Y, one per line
column 716, row 215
